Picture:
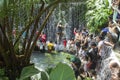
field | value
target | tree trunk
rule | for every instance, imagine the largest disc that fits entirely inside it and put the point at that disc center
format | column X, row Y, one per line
column 11, row 74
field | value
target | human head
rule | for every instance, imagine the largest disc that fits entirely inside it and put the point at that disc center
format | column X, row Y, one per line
column 93, row 44
column 115, row 2
column 84, row 30
column 110, row 24
column 91, row 36
column 115, row 68
column 51, row 41
column 110, row 18
column 99, row 38
column 114, row 64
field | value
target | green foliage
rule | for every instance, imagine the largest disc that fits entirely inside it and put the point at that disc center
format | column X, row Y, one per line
column 44, row 76
column 97, row 14
column 2, row 75
column 28, row 72
column 2, row 72
column 62, row 72
column 87, row 78
column 4, row 78
column 53, row 60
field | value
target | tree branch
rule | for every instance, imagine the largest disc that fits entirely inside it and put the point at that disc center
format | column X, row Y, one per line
column 8, row 47
column 27, row 55
column 32, row 21
column 34, row 29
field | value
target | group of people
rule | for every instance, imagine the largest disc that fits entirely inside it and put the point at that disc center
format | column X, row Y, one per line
column 44, row 45
column 91, row 50
column 87, row 48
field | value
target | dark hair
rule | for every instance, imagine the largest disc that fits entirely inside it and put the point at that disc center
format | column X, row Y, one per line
column 111, row 17
column 50, row 41
column 93, row 44
column 101, row 37
column 91, row 36
column 114, row 65
column 84, row 29
column 84, row 47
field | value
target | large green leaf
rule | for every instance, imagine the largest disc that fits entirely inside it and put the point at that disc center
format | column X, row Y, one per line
column 4, row 78
column 28, row 72
column 2, row 75
column 62, row 72
column 44, row 76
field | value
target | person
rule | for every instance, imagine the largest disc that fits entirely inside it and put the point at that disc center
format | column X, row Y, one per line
column 102, row 45
column 113, row 34
column 65, row 42
column 116, row 9
column 77, row 40
column 43, row 37
column 115, row 70
column 60, row 28
column 104, row 31
column 72, row 46
column 76, row 63
column 84, row 31
column 75, row 31
column 56, row 46
column 77, row 35
column 93, row 55
column 50, row 46
column 93, row 52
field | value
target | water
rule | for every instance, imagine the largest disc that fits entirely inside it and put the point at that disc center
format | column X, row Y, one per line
column 105, row 73
column 46, row 60
column 69, row 14
column 43, row 61
column 38, row 58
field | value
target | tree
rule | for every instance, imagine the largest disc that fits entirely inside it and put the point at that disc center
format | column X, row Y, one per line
column 23, row 16
column 97, row 14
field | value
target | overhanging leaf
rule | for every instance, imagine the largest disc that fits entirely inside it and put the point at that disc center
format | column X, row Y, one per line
column 44, row 76
column 28, row 71
column 62, row 72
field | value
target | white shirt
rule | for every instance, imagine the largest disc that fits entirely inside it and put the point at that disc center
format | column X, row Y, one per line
column 101, row 48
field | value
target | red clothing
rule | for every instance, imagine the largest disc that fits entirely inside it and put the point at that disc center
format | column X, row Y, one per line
column 43, row 38
column 74, row 32
column 64, row 43
column 89, row 64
